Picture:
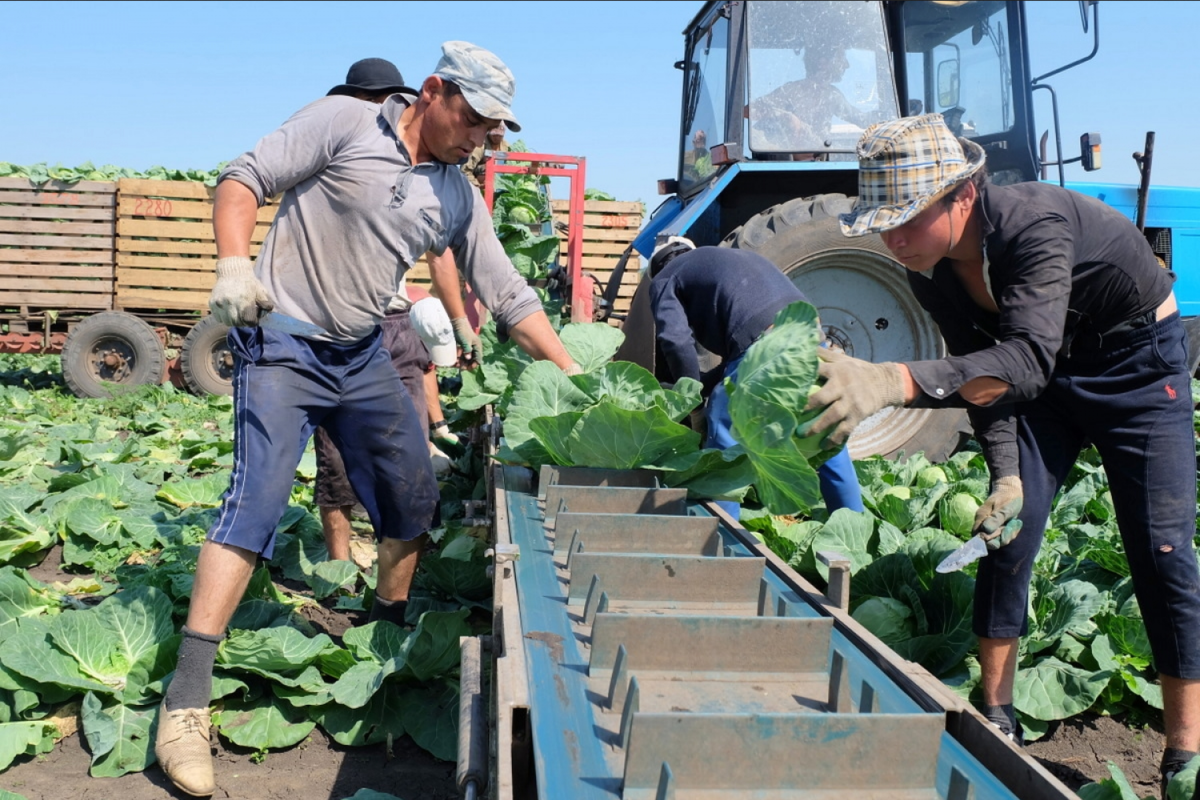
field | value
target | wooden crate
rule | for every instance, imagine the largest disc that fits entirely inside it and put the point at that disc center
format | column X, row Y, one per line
column 166, row 255
column 609, row 226
column 56, row 245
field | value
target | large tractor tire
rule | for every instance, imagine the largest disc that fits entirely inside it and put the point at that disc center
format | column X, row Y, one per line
column 111, row 353
column 866, row 309
column 206, row 360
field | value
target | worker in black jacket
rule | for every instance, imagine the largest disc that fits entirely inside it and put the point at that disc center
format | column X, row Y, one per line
column 724, row 299
column 1062, row 329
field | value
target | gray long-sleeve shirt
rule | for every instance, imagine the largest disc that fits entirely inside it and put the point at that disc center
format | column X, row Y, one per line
column 357, row 213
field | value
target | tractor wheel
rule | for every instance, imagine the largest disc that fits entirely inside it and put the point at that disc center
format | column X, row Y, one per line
column 866, row 309
column 110, row 353
column 206, row 360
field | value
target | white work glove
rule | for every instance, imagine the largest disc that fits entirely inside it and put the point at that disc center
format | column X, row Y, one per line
column 996, row 520
column 854, row 390
column 573, row 369
column 237, row 298
column 441, row 462
column 468, row 340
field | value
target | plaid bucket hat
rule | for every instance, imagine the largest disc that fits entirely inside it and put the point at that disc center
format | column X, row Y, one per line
column 487, row 84
column 904, row 165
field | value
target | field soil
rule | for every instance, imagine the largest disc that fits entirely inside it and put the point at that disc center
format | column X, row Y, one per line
column 1075, row 751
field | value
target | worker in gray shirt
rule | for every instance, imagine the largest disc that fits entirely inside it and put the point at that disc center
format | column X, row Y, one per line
column 367, row 189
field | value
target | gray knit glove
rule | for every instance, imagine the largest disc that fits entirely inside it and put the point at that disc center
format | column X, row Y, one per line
column 853, row 390
column 468, row 340
column 996, row 520
column 237, row 298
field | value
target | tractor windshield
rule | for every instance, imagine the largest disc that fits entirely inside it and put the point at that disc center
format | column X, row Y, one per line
column 959, row 65
column 819, row 75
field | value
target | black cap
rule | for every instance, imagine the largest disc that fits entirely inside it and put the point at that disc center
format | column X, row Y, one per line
column 372, row 75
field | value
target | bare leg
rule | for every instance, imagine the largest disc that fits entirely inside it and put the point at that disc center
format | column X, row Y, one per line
column 398, row 561
column 335, row 524
column 998, row 665
column 222, row 574
column 1181, row 712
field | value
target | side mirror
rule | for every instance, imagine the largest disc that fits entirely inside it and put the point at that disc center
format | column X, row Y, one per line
column 1084, row 5
column 947, row 83
column 1089, row 156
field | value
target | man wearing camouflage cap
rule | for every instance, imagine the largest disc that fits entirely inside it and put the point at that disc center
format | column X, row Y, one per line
column 1062, row 329
column 367, row 189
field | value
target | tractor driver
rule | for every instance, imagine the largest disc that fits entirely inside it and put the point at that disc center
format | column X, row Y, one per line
column 367, row 189
column 724, row 299
column 1063, row 329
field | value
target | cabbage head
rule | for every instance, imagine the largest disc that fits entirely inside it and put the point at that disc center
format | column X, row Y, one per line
column 957, row 513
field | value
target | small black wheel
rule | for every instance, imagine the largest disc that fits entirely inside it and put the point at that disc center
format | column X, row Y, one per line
column 110, row 353
column 206, row 360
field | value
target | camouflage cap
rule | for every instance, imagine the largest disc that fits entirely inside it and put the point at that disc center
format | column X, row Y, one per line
column 486, row 83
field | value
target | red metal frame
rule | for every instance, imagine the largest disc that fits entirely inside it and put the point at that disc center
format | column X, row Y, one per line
column 574, row 168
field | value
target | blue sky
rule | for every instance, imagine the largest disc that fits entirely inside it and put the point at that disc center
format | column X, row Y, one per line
column 190, row 84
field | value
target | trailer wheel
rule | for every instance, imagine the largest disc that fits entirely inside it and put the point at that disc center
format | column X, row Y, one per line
column 866, row 309
column 111, row 353
column 206, row 360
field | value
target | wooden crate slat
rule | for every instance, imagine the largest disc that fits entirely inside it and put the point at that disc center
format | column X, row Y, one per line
column 601, row 248
column 55, row 271
column 178, row 209
column 57, row 300
column 622, row 235
column 172, row 229
column 15, row 256
column 146, row 187
column 46, row 240
column 51, row 226
column 165, row 279
column 601, row 206
column 168, row 264
column 88, row 213
column 606, row 221
column 70, row 199
column 157, row 247
column 53, row 187
column 35, row 284
column 154, row 299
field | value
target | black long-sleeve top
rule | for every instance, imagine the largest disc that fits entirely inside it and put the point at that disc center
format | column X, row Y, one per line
column 721, row 297
column 1062, row 266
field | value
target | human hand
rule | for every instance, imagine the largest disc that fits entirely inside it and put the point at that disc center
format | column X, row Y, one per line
column 442, row 463
column 573, row 369
column 996, row 520
column 853, row 390
column 238, row 299
column 468, row 340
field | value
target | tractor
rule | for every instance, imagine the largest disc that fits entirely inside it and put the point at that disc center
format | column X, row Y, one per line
column 775, row 98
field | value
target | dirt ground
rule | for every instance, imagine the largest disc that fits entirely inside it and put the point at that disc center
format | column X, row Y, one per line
column 1075, row 751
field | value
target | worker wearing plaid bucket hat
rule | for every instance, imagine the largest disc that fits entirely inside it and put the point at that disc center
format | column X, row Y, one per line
column 1062, row 329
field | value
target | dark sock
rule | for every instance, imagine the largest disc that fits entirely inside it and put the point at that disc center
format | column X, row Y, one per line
column 1003, row 717
column 388, row 610
column 192, row 685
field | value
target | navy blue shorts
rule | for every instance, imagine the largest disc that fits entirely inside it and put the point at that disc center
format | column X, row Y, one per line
column 1131, row 398
column 283, row 388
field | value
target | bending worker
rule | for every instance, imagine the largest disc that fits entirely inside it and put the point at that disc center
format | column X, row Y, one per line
column 367, row 189
column 1063, row 329
column 724, row 299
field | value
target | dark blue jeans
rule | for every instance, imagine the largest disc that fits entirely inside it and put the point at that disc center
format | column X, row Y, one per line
column 839, row 481
column 1130, row 396
column 283, row 388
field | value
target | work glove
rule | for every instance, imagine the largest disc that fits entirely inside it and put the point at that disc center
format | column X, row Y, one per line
column 573, row 369
column 468, row 340
column 853, row 390
column 237, row 298
column 441, row 462
column 996, row 520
